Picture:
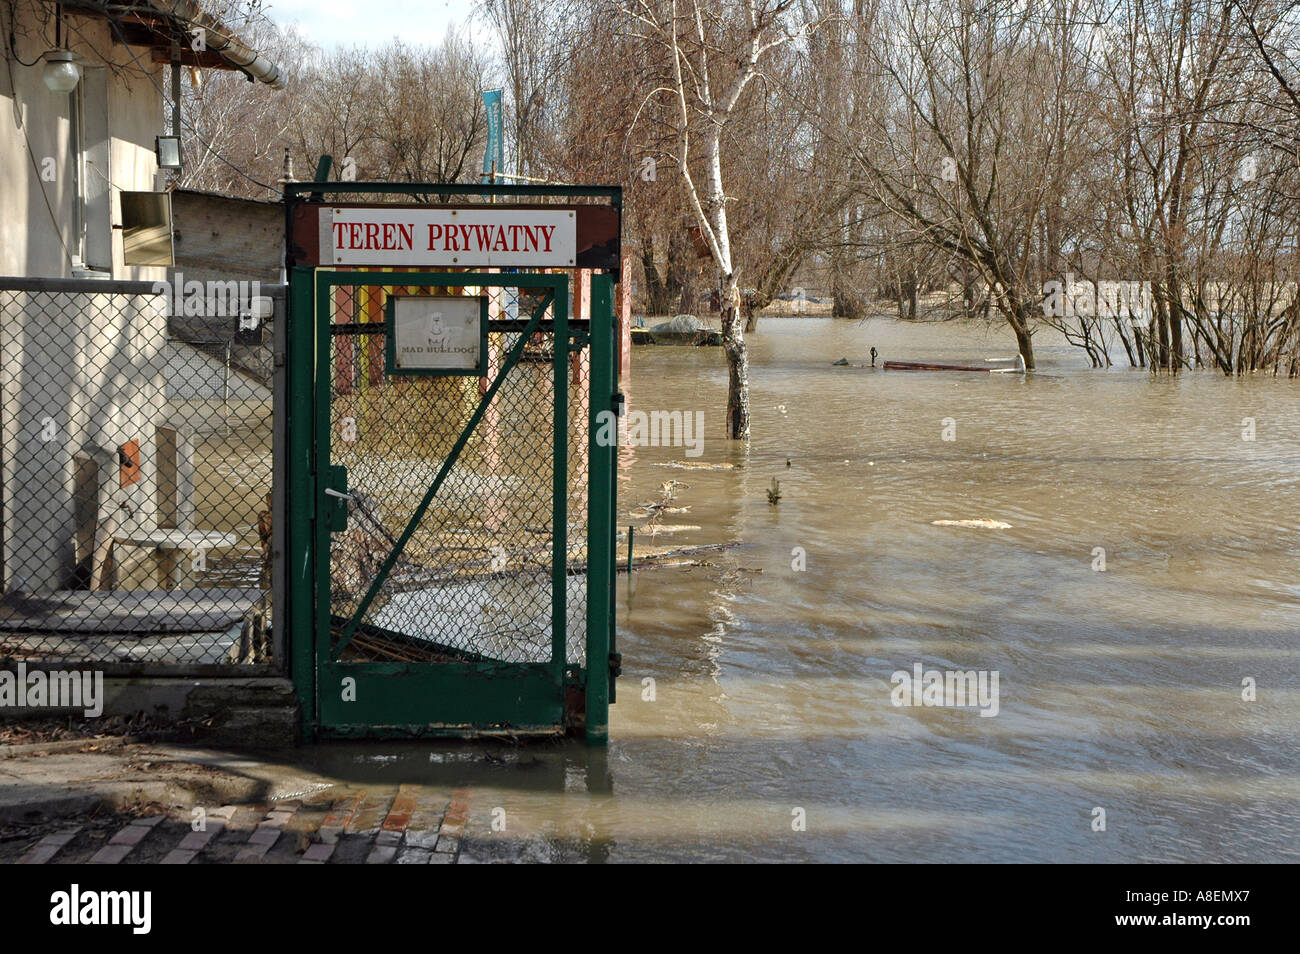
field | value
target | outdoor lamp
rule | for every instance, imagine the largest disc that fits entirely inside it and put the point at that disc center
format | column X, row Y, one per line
column 61, row 73
column 168, row 149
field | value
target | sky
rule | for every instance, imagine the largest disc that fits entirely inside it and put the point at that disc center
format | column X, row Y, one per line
column 331, row 23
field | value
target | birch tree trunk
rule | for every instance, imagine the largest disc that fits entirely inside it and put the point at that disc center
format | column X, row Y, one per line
column 714, row 207
column 723, row 41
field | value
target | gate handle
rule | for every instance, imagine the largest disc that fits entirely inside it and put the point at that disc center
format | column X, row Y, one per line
column 337, row 493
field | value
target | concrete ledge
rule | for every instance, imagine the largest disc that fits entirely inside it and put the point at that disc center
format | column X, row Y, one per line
column 254, row 712
column 63, row 745
column 25, row 805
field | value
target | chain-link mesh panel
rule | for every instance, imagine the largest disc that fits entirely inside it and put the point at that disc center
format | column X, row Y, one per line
column 474, row 580
column 136, row 476
column 578, row 480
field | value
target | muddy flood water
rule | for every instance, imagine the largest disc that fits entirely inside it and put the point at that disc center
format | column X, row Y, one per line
column 1118, row 688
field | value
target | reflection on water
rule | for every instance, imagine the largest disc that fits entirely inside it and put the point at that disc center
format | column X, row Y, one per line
column 1120, row 689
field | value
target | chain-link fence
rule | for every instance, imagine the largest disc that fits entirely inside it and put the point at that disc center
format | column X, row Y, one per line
column 474, row 580
column 136, row 474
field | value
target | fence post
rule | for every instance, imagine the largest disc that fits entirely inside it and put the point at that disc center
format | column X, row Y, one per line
column 300, row 495
column 600, row 512
column 560, row 478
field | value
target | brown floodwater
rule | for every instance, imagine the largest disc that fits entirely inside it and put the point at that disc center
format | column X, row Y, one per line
column 1119, row 689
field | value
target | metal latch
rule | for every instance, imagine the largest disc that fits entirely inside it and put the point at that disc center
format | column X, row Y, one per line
column 336, row 504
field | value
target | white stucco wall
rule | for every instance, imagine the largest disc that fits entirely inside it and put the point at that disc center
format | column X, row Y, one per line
column 87, row 369
column 82, row 376
column 31, row 244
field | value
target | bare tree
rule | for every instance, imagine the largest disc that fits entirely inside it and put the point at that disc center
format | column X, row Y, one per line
column 429, row 120
column 235, row 131
column 536, row 45
column 959, row 154
column 716, row 50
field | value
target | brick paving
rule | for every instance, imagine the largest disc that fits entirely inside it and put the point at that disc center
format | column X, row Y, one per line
column 405, row 825
column 48, row 847
column 193, row 843
column 125, row 841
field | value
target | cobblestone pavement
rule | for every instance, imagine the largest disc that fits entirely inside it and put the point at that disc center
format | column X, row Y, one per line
column 408, row 824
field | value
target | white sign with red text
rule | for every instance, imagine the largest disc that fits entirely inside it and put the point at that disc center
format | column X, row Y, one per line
column 487, row 237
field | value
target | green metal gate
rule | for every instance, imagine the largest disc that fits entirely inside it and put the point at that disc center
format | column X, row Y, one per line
column 451, row 534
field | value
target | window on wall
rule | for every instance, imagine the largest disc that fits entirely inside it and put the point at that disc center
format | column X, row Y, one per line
column 89, row 141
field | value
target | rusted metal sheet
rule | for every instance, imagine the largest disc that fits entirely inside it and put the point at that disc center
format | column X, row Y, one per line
column 927, row 366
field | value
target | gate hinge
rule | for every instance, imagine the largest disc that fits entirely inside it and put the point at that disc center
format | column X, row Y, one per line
column 615, row 665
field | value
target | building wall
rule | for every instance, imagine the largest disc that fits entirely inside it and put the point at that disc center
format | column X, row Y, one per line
column 224, row 239
column 221, row 238
column 80, row 376
column 123, row 112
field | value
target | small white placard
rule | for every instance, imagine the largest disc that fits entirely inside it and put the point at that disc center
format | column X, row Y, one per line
column 437, row 334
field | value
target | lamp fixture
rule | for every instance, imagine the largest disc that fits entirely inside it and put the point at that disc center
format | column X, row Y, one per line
column 168, row 150
column 61, row 73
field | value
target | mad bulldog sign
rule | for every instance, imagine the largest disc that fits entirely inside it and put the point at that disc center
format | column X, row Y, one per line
column 442, row 335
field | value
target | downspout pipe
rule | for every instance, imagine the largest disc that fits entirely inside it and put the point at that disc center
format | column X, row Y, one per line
column 222, row 41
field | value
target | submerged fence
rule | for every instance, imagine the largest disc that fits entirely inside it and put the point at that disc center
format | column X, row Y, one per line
column 137, row 484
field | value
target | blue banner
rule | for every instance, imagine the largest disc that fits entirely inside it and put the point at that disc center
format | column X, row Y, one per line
column 495, row 154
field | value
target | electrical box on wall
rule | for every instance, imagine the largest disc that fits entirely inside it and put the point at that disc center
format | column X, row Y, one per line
column 128, row 460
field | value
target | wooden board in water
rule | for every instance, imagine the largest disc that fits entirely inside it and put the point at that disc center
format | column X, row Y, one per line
column 927, row 366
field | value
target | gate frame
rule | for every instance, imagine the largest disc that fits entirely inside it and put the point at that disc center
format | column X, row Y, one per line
column 305, row 480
